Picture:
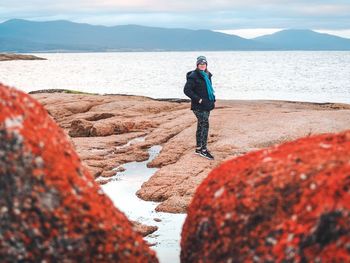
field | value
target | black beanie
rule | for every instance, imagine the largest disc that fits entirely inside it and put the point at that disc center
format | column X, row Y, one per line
column 202, row 59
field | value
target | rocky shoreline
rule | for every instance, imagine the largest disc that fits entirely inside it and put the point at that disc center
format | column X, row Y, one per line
column 10, row 56
column 100, row 127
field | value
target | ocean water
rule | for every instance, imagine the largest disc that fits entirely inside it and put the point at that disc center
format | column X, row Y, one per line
column 320, row 76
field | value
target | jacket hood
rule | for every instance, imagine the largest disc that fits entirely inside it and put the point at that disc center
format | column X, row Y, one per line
column 196, row 71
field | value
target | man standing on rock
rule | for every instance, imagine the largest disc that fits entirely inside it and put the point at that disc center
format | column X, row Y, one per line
column 199, row 88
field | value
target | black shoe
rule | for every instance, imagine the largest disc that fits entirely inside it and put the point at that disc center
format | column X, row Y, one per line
column 198, row 151
column 206, row 154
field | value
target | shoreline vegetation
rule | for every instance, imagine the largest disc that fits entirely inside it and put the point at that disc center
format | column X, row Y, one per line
column 98, row 125
column 12, row 56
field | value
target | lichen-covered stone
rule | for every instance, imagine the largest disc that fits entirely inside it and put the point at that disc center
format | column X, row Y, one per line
column 51, row 210
column 289, row 203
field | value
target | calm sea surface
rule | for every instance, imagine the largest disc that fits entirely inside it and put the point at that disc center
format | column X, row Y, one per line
column 297, row 75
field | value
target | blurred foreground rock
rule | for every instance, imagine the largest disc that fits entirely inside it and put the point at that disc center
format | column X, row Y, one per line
column 289, row 203
column 50, row 207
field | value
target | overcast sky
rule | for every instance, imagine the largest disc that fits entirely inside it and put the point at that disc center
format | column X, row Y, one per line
column 243, row 17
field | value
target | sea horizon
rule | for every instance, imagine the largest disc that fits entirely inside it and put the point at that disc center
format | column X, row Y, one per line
column 309, row 76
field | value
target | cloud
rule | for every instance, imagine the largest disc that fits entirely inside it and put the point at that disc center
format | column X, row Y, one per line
column 251, row 32
column 256, row 32
column 328, row 10
column 176, row 6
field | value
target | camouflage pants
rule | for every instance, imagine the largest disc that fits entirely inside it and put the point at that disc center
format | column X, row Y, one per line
column 202, row 128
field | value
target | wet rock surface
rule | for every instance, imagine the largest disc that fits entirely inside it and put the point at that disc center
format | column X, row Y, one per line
column 144, row 230
column 50, row 207
column 288, row 203
column 236, row 128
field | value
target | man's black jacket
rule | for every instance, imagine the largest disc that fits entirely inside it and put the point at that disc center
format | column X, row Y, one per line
column 196, row 89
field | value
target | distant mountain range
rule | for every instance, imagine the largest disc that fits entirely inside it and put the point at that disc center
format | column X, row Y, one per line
column 293, row 39
column 23, row 36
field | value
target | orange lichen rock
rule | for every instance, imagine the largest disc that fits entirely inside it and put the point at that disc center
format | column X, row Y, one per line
column 289, row 203
column 50, row 207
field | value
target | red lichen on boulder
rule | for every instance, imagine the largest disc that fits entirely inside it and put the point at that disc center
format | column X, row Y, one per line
column 289, row 203
column 50, row 207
